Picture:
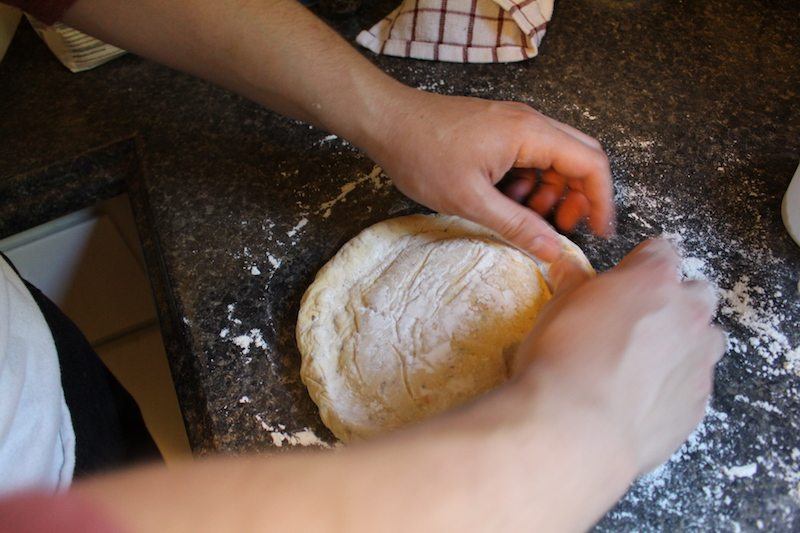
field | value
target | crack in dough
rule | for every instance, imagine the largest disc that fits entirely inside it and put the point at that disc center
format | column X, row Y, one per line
column 414, row 316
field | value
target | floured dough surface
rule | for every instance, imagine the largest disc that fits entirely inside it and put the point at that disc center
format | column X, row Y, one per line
column 413, row 316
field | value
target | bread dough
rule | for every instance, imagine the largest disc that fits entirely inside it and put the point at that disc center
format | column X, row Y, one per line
column 413, row 316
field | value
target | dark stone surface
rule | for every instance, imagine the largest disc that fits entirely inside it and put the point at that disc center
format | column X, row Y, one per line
column 696, row 103
column 32, row 198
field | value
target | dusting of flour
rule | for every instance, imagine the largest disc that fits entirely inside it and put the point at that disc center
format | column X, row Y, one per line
column 374, row 177
column 716, row 474
column 280, row 437
column 262, row 261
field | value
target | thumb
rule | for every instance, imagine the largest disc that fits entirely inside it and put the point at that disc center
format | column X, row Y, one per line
column 518, row 224
column 567, row 273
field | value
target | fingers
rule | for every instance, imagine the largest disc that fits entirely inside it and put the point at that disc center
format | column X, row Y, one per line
column 572, row 158
column 698, row 369
column 702, row 300
column 568, row 154
column 659, row 260
column 550, row 191
column 516, row 223
column 702, row 303
column 588, row 140
column 573, row 207
column 657, row 254
column 717, row 344
column 657, row 263
column 520, row 185
column 572, row 210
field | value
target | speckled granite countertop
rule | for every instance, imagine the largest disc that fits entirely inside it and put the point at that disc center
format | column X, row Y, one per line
column 696, row 103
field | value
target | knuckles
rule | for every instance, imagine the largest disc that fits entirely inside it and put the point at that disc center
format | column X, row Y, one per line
column 516, row 110
column 658, row 261
column 661, row 271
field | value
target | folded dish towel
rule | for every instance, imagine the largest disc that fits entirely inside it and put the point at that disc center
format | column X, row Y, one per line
column 463, row 31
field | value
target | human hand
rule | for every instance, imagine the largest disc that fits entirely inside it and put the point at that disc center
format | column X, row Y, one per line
column 448, row 152
column 629, row 354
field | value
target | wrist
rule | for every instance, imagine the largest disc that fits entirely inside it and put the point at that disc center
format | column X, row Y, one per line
column 376, row 130
column 556, row 472
column 591, row 462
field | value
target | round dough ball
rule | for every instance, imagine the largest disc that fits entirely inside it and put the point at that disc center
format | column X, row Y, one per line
column 413, row 316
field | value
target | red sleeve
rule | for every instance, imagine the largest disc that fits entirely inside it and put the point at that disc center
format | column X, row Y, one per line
column 48, row 11
column 40, row 513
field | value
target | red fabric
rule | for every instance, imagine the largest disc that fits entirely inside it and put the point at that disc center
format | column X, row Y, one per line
column 40, row 513
column 462, row 31
column 48, row 11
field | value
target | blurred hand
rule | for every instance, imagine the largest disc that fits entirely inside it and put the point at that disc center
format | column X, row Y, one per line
column 448, row 152
column 632, row 351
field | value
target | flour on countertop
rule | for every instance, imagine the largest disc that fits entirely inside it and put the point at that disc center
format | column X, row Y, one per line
column 281, row 437
column 231, row 308
column 747, row 470
column 433, row 86
column 746, row 303
column 243, row 342
column 758, row 403
column 374, row 177
column 297, row 227
column 265, row 259
column 274, row 261
column 253, row 337
column 755, row 316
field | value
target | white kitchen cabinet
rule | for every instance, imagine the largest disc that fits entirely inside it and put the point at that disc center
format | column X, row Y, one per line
column 82, row 263
column 91, row 265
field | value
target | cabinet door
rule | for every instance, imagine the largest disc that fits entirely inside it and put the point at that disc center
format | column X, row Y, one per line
column 90, row 273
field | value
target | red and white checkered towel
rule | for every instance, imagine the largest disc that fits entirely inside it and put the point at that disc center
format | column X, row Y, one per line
column 463, row 31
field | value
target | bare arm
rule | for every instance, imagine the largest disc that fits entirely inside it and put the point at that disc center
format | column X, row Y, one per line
column 445, row 152
column 485, row 468
column 272, row 51
column 551, row 450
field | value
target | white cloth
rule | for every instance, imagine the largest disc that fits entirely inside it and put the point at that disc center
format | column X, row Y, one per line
column 462, row 31
column 37, row 442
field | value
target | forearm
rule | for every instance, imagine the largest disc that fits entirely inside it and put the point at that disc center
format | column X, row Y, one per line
column 468, row 471
column 445, row 152
column 274, row 52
